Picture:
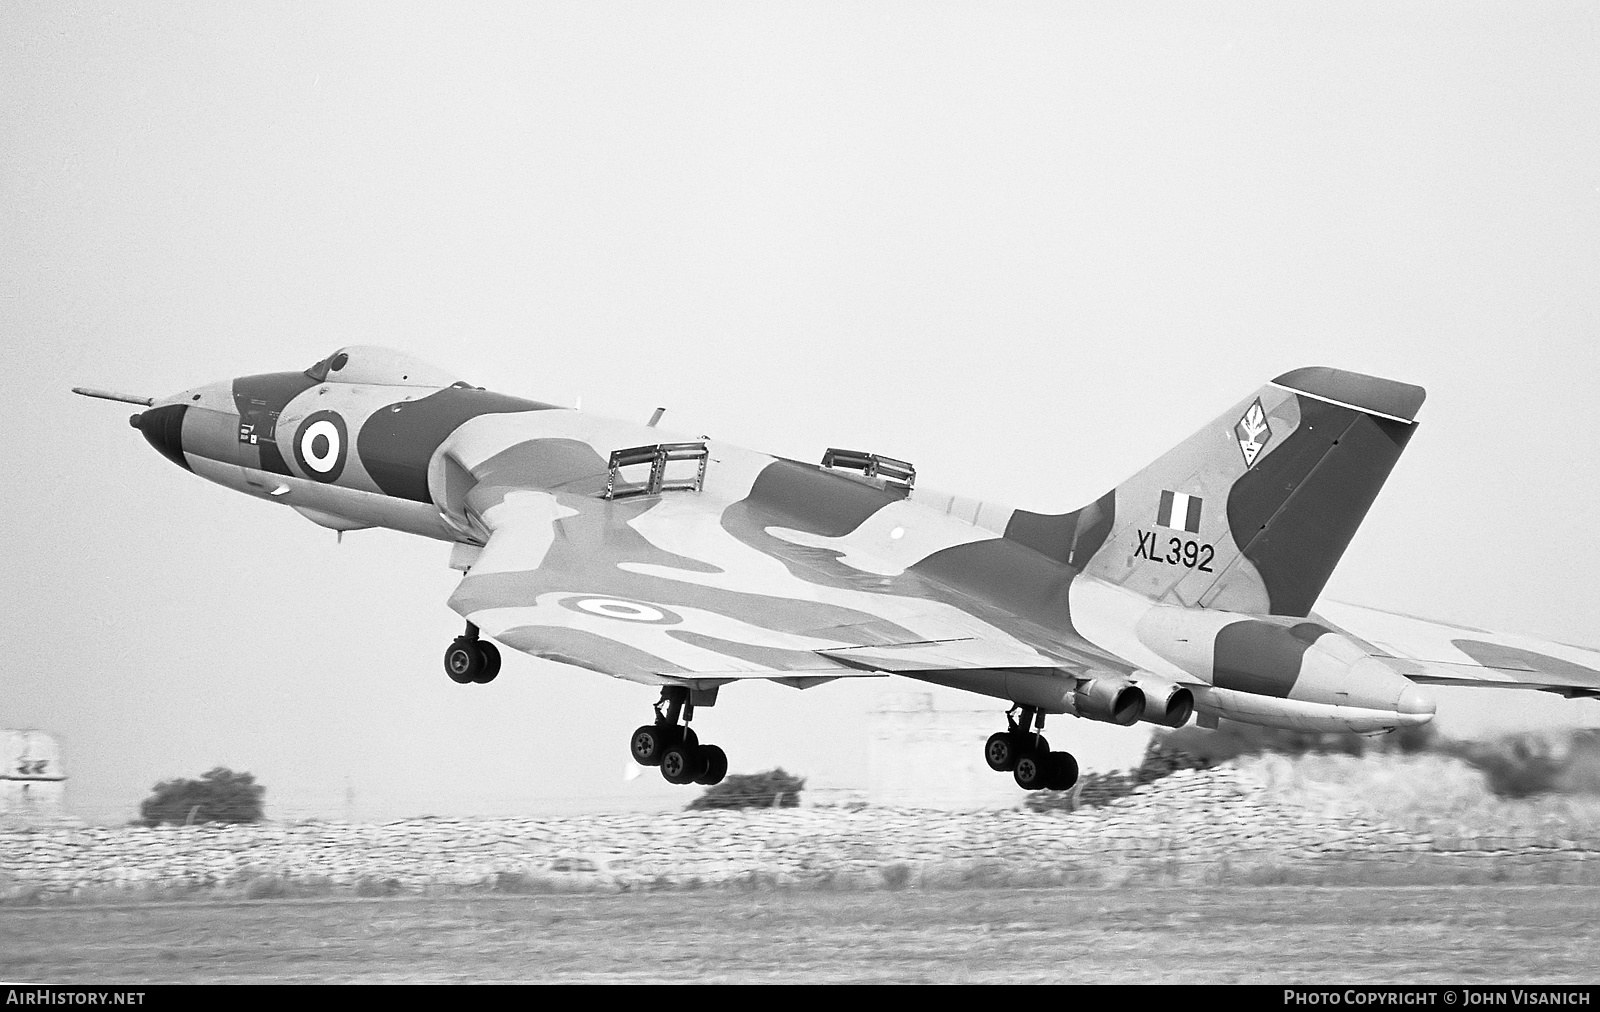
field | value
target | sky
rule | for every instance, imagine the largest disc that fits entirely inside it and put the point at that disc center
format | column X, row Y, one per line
column 1027, row 246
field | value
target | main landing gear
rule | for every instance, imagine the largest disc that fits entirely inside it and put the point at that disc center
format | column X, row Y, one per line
column 1023, row 752
column 471, row 659
column 675, row 747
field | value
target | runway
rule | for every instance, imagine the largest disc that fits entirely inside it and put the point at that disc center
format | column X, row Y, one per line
column 1250, row 934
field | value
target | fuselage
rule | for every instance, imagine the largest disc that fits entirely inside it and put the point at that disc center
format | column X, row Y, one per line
column 371, row 438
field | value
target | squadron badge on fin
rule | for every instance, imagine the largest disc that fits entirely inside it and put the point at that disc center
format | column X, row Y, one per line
column 1252, row 432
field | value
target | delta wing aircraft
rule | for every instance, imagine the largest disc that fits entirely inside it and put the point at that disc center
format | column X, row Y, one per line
column 689, row 564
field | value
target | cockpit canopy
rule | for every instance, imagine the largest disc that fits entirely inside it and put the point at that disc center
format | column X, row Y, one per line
column 368, row 364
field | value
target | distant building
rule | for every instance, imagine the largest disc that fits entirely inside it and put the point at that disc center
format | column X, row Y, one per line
column 32, row 783
column 927, row 749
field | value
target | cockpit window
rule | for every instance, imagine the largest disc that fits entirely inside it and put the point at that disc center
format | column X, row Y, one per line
column 333, row 363
column 368, row 365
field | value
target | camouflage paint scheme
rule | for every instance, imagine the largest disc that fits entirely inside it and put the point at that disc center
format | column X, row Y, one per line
column 1199, row 573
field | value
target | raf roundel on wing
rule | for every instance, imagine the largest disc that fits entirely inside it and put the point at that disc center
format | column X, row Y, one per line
column 628, row 611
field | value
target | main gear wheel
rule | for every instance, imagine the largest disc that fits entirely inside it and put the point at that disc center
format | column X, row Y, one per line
column 675, row 747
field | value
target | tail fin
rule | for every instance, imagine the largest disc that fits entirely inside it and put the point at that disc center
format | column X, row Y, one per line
column 1251, row 513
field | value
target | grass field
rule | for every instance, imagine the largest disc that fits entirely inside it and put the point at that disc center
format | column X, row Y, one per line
column 1260, row 934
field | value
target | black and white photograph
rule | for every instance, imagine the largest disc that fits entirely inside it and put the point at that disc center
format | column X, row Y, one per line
column 803, row 492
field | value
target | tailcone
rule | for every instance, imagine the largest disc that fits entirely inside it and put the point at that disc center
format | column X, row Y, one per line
column 1415, row 706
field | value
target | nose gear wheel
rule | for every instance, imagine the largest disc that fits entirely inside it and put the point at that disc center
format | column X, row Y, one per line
column 470, row 659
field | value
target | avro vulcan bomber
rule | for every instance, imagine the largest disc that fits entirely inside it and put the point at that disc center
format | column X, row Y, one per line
column 690, row 564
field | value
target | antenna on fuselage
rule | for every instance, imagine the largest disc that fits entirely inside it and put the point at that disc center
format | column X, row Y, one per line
column 656, row 417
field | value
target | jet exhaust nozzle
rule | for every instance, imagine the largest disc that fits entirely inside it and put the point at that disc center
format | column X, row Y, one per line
column 1165, row 702
column 1113, row 700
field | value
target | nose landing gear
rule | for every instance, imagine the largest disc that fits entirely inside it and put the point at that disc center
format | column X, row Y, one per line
column 1022, row 751
column 471, row 659
column 675, row 747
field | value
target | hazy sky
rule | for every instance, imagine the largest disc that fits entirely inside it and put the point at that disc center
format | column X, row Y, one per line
column 1026, row 246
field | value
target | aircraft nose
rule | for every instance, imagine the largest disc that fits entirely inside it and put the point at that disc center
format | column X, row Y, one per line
column 163, row 429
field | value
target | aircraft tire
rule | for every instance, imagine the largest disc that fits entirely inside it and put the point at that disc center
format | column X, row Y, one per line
column 463, row 662
column 680, row 764
column 647, row 744
column 491, row 662
column 1031, row 773
column 1061, row 771
column 716, row 765
column 1001, row 751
